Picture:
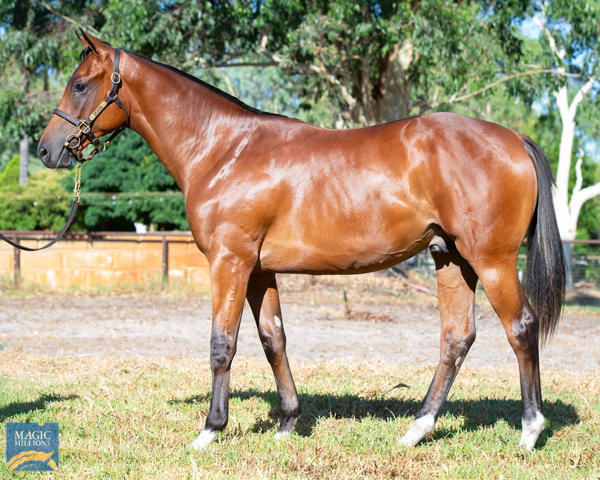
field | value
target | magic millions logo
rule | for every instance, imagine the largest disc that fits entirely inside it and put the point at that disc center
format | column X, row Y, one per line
column 31, row 447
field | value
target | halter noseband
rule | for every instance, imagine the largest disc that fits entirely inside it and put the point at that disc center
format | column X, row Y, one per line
column 73, row 142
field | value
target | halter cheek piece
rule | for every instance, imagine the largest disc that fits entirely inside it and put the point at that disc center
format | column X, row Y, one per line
column 74, row 142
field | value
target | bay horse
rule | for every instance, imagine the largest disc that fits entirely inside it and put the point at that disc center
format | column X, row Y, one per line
column 267, row 194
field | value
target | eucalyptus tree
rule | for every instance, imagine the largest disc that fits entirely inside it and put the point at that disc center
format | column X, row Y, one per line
column 567, row 49
column 380, row 61
column 570, row 45
column 372, row 61
column 31, row 41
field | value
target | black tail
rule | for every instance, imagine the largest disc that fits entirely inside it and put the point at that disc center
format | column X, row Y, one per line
column 545, row 263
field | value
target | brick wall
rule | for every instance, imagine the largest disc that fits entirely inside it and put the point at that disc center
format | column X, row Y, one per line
column 93, row 262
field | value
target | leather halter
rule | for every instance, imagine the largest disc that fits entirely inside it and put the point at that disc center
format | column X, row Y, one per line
column 73, row 142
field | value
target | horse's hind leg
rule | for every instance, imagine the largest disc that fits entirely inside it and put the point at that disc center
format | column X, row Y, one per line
column 456, row 296
column 501, row 284
column 263, row 298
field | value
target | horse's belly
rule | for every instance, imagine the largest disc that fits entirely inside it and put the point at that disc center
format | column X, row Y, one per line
column 355, row 222
column 343, row 250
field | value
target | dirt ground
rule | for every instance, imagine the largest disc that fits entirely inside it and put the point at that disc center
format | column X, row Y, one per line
column 382, row 320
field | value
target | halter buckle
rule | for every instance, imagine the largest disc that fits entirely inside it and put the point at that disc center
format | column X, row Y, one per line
column 83, row 128
column 115, row 78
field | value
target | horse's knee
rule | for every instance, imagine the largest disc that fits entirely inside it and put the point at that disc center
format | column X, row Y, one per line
column 222, row 350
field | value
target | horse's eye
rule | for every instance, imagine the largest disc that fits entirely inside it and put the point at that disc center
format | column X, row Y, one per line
column 79, row 87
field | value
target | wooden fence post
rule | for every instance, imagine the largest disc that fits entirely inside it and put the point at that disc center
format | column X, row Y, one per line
column 165, row 260
column 16, row 264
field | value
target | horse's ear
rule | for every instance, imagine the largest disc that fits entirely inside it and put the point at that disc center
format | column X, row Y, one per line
column 89, row 41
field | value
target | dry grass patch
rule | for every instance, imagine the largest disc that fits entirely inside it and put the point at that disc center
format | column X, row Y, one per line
column 135, row 417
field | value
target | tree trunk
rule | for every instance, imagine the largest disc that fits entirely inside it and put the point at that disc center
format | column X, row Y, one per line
column 394, row 102
column 389, row 98
column 567, row 211
column 567, row 117
column 23, row 160
column 24, row 142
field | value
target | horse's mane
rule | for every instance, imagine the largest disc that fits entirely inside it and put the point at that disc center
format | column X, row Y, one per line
column 87, row 50
column 208, row 86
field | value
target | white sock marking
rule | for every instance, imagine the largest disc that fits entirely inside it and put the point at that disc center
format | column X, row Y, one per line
column 419, row 428
column 204, row 439
column 282, row 435
column 532, row 430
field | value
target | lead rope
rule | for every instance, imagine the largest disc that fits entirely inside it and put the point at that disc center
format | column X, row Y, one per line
column 76, row 198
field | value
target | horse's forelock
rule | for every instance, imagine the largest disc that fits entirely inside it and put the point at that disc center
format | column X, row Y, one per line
column 84, row 53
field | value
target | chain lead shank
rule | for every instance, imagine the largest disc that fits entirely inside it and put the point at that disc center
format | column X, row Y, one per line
column 77, row 187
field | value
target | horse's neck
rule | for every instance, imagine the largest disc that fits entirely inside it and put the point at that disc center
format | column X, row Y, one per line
column 187, row 125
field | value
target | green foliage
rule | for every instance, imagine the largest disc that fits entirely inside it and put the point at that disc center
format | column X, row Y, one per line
column 339, row 45
column 31, row 43
column 134, row 177
column 10, row 175
column 45, row 201
column 43, row 204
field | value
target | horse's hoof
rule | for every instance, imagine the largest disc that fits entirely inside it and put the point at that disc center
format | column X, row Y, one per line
column 282, row 435
column 204, row 439
column 419, row 428
column 532, row 430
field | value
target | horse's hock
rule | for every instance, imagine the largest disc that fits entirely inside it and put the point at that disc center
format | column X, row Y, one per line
column 107, row 259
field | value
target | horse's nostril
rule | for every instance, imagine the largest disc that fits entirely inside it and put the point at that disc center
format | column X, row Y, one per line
column 43, row 153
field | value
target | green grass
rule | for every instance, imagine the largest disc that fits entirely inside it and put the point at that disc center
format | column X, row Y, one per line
column 135, row 417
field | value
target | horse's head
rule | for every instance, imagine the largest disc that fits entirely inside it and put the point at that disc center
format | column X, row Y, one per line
column 89, row 107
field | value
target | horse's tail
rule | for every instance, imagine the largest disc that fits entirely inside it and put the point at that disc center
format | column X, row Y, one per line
column 545, row 262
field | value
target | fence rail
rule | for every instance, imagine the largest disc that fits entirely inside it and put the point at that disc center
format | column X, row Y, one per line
column 585, row 266
column 165, row 238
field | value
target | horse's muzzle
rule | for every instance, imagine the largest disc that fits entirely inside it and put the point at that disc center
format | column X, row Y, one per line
column 62, row 159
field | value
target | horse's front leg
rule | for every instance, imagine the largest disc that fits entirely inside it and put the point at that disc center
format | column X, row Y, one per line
column 229, row 280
